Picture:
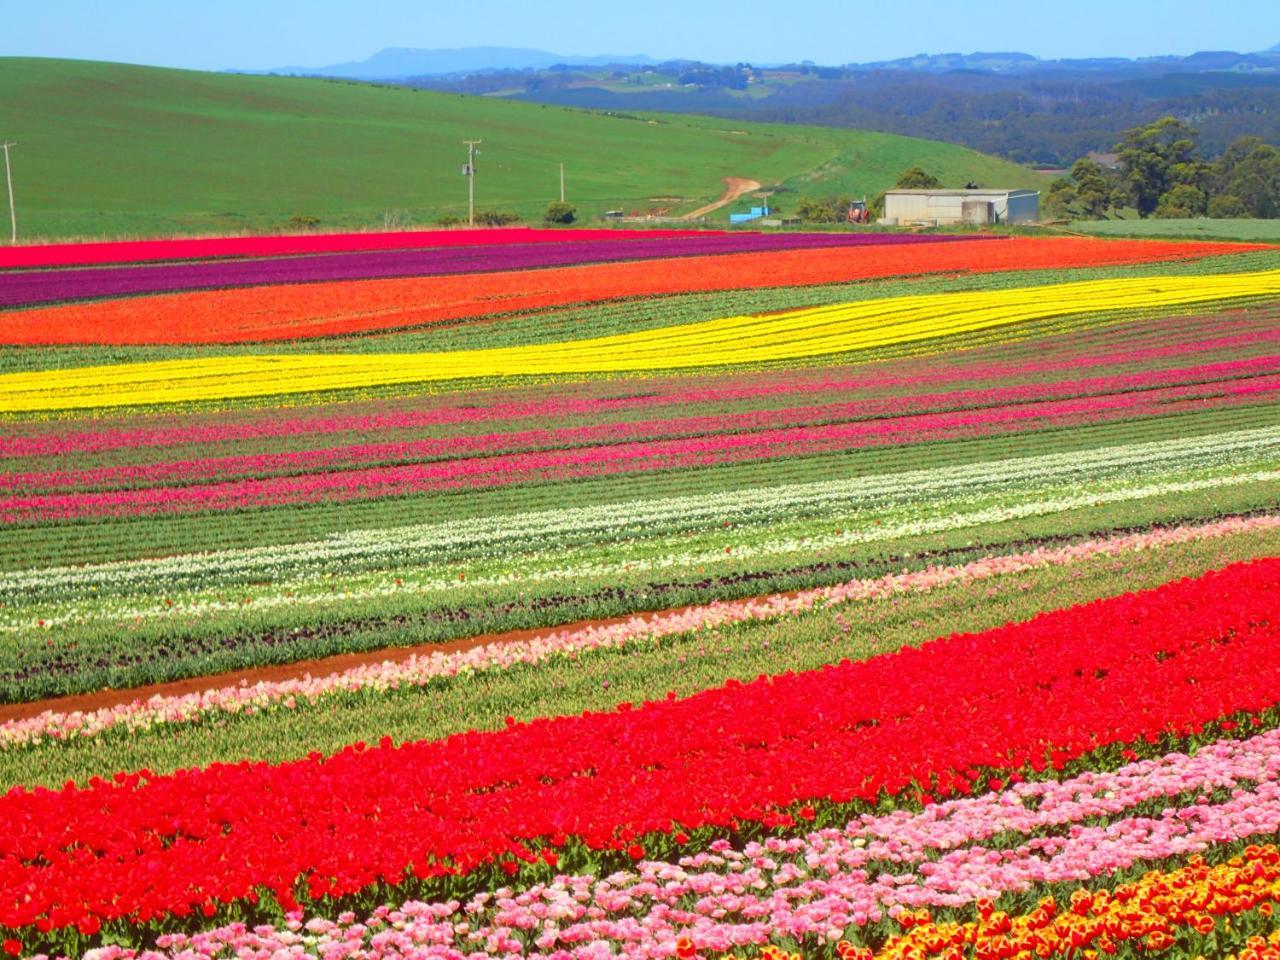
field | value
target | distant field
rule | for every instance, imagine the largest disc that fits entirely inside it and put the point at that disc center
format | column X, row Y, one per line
column 112, row 150
column 1251, row 230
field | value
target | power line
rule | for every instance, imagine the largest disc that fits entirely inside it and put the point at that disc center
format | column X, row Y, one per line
column 469, row 171
column 8, row 179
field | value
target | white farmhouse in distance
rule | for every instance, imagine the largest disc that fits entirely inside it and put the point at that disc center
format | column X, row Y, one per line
column 951, row 207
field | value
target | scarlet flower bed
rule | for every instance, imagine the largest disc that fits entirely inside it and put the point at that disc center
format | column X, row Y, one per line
column 359, row 306
column 1037, row 694
column 150, row 251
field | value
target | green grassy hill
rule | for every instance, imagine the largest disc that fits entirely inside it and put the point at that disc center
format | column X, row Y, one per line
column 115, row 150
column 1252, row 231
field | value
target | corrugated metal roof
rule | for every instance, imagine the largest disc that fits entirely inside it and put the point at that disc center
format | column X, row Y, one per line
column 962, row 193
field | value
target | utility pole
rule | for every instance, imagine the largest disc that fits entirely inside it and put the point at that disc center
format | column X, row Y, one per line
column 8, row 179
column 562, row 183
column 469, row 171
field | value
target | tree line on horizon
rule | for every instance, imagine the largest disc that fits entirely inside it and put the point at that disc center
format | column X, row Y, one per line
column 1159, row 171
column 1041, row 119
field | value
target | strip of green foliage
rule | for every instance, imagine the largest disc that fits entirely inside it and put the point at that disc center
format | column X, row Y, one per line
column 599, row 680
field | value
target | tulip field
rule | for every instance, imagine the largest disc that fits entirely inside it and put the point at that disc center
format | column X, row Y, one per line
column 581, row 594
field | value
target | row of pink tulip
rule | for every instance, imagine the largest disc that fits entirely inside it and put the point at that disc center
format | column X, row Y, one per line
column 1193, row 339
column 621, row 458
column 818, row 887
column 423, row 670
column 897, row 419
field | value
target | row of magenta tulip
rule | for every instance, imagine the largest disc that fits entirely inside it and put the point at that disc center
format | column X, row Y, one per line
column 816, row 426
column 290, row 311
column 432, row 465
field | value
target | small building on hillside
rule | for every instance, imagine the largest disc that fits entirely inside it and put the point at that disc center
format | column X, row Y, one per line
column 951, row 207
column 755, row 214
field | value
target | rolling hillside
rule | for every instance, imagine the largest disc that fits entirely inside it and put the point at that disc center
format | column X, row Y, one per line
column 112, row 150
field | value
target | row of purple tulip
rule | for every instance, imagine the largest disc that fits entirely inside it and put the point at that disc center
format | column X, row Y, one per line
column 24, row 288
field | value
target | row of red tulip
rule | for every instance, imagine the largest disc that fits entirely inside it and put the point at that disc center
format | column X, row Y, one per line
column 1033, row 695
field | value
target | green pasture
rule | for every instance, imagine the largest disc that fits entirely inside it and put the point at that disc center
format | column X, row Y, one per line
column 1254, row 231
column 115, row 150
column 644, row 671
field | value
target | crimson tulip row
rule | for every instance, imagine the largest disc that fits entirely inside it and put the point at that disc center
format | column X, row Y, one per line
column 1037, row 694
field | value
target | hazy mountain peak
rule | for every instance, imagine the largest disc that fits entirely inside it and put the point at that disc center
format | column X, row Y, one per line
column 397, row 63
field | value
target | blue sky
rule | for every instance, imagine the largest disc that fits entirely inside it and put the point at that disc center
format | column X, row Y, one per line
column 216, row 34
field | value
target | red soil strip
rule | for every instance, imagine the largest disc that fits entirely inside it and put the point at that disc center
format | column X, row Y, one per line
column 321, row 667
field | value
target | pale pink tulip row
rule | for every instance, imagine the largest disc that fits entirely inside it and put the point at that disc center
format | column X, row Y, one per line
column 816, row 887
column 422, row 670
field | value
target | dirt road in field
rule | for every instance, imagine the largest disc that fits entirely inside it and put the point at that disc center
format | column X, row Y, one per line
column 734, row 187
column 300, row 669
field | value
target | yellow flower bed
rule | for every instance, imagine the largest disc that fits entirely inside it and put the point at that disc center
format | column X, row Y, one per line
column 1161, row 910
column 794, row 335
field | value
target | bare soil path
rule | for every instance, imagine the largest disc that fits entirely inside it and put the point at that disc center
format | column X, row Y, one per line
column 300, row 669
column 734, row 188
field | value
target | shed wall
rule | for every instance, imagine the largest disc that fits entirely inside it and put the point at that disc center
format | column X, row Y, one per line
column 949, row 208
column 913, row 207
column 1024, row 209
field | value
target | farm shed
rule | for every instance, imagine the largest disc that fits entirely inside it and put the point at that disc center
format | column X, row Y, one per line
column 943, row 207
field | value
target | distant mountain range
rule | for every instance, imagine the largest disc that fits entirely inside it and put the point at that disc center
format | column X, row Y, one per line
column 1014, row 105
column 1266, row 60
column 1025, row 63
column 403, row 63
column 400, row 63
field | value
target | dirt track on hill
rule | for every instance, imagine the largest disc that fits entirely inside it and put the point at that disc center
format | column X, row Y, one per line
column 734, row 188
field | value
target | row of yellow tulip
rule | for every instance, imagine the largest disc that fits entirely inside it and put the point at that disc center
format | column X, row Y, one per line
column 1183, row 907
column 794, row 335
